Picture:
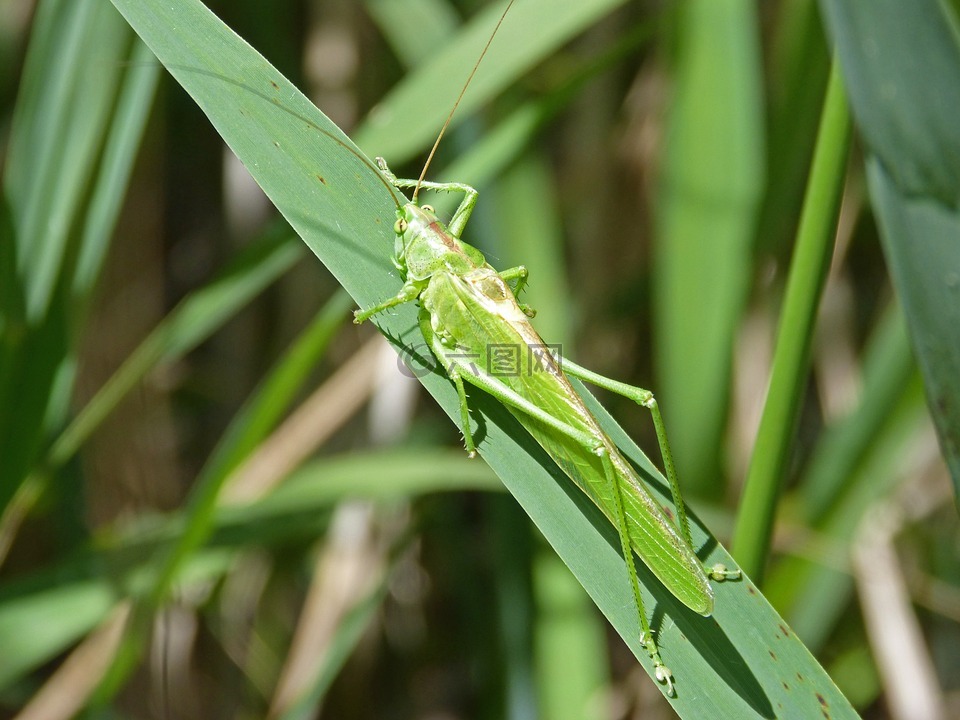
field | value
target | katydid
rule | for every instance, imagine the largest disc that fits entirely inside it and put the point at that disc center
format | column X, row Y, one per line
column 468, row 308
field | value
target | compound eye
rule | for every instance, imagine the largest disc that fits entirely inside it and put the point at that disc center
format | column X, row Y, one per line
column 428, row 208
column 400, row 226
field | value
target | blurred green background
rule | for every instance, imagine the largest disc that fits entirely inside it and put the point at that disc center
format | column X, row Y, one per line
column 182, row 393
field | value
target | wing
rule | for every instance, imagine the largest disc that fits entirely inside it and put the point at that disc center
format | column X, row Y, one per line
column 480, row 328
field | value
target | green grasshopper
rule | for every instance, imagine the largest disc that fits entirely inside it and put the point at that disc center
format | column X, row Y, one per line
column 468, row 308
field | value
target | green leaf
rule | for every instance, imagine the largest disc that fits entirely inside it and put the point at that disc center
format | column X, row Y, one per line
column 808, row 273
column 706, row 210
column 906, row 104
column 408, row 119
column 413, row 27
column 743, row 661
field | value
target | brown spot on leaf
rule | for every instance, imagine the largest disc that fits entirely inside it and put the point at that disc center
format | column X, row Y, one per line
column 321, row 179
column 275, row 86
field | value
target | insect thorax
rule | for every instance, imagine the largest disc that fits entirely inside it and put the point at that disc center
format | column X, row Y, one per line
column 427, row 246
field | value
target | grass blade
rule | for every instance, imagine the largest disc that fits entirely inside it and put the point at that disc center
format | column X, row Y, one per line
column 808, row 272
column 408, row 119
column 706, row 213
column 906, row 113
column 78, row 120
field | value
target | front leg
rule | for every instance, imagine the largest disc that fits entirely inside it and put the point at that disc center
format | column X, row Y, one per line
column 460, row 217
column 519, row 274
column 410, row 291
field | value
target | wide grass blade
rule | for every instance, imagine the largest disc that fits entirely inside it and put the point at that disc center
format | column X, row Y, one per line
column 907, row 114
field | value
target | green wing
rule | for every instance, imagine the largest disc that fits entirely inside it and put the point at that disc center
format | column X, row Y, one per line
column 480, row 316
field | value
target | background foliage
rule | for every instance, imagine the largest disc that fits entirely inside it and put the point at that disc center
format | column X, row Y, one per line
column 170, row 353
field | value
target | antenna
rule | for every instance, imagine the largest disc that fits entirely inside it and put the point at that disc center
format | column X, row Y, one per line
column 433, row 150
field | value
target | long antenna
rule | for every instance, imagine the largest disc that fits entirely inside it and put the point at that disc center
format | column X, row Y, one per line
column 433, row 150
